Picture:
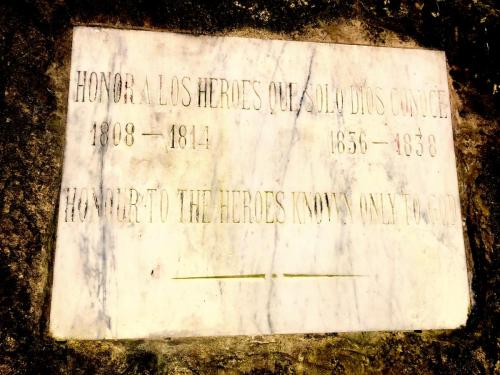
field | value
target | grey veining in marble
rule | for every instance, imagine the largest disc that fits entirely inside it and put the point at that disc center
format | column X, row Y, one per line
column 227, row 186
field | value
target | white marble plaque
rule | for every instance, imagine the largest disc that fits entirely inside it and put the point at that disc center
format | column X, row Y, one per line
column 233, row 186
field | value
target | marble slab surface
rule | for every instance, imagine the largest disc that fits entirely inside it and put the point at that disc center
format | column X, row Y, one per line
column 234, row 186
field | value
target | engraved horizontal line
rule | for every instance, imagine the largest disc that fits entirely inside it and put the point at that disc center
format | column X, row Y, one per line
column 215, row 277
column 380, row 142
column 262, row 276
column 153, row 134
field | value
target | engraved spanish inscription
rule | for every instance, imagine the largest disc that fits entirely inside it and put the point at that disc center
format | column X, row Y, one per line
column 227, row 186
